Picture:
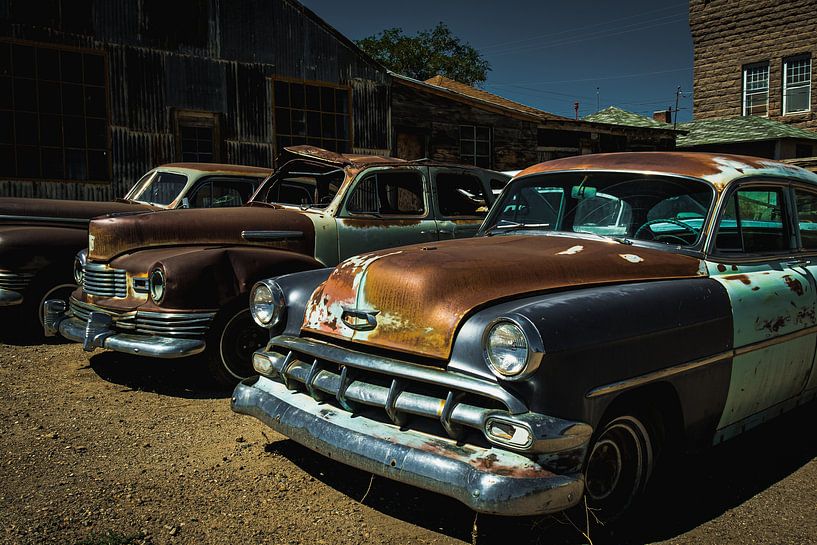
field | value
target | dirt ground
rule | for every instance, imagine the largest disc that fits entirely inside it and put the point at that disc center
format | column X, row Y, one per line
column 109, row 449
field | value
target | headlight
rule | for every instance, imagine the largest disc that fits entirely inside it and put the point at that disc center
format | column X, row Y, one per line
column 512, row 352
column 156, row 285
column 79, row 266
column 267, row 303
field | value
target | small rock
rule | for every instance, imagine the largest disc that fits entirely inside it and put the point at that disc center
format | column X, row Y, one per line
column 240, row 439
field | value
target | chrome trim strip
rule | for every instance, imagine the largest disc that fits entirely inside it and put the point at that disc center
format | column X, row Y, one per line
column 43, row 219
column 689, row 366
column 270, row 235
column 400, row 369
column 9, row 298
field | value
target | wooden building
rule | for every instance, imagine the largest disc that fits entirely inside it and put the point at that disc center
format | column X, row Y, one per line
column 93, row 93
column 445, row 120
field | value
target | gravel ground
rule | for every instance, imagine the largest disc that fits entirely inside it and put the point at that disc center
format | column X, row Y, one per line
column 111, row 449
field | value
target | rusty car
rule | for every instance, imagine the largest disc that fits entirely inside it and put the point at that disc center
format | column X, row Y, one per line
column 177, row 283
column 39, row 238
column 613, row 309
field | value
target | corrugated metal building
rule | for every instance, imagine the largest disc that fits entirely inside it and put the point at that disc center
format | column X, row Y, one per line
column 93, row 93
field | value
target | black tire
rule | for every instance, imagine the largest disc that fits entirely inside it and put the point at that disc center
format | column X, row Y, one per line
column 619, row 464
column 232, row 339
column 30, row 318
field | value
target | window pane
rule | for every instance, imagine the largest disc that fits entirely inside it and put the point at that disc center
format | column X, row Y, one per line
column 313, row 124
column 7, row 161
column 761, row 226
column 797, row 99
column 6, row 127
column 95, row 101
column 75, row 165
column 71, row 66
column 467, row 131
column 756, row 90
column 282, row 124
column 52, row 163
column 49, row 97
column 313, row 98
column 328, row 125
column 25, row 128
column 48, row 64
column 28, row 162
column 73, row 132
column 461, row 195
column 6, row 93
column 25, row 97
column 281, row 89
column 51, row 130
column 23, row 60
column 807, row 218
column 342, row 127
column 400, row 193
column 73, row 100
column 342, row 101
column 296, row 91
column 94, row 69
column 327, row 99
column 5, row 59
column 96, row 133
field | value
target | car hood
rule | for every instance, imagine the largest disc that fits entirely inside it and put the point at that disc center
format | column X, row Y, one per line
column 17, row 210
column 275, row 228
column 422, row 293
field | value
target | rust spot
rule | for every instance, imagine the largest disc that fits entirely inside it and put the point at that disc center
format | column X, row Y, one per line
column 487, row 462
column 755, row 288
column 734, row 267
column 721, row 267
column 773, row 325
column 741, row 277
column 793, row 284
column 806, row 316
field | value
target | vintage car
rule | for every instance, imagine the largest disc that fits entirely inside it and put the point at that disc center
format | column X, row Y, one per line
column 177, row 283
column 39, row 238
column 549, row 360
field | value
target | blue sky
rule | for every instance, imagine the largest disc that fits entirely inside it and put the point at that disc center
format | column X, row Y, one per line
column 549, row 54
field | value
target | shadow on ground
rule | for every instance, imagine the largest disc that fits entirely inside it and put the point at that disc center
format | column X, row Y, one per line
column 185, row 377
column 686, row 493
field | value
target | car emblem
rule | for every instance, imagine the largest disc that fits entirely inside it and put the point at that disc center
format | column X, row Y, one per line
column 359, row 320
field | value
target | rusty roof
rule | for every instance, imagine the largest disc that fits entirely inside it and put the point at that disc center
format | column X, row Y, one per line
column 718, row 169
column 220, row 167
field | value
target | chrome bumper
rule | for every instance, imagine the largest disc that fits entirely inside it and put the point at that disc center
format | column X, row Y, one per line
column 10, row 297
column 488, row 480
column 97, row 332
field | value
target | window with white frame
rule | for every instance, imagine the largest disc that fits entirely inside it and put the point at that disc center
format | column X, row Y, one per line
column 796, row 85
column 756, row 89
column 475, row 145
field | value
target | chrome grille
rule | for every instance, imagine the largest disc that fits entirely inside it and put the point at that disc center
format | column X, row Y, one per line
column 15, row 281
column 102, row 280
column 353, row 380
column 165, row 324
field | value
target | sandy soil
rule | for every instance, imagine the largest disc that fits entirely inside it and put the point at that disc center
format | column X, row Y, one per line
column 105, row 448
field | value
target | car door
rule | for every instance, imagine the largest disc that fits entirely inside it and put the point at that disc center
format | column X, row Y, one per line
column 461, row 202
column 773, row 303
column 385, row 207
column 805, row 203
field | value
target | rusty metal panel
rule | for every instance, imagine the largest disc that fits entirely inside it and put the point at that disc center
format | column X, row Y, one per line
column 371, row 114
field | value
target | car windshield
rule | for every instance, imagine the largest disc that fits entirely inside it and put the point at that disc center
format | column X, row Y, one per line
column 158, row 187
column 626, row 205
column 301, row 183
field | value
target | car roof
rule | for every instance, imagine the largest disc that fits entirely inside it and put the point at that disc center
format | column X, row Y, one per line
column 219, row 168
column 716, row 168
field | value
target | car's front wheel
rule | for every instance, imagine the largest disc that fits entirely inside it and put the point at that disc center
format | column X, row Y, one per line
column 619, row 465
column 233, row 338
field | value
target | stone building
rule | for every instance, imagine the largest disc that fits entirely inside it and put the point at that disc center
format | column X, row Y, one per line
column 755, row 58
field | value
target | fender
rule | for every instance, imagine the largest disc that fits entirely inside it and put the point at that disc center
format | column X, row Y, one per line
column 207, row 278
column 34, row 248
column 601, row 335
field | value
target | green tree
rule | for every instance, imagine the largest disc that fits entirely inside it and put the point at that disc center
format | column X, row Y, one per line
column 426, row 54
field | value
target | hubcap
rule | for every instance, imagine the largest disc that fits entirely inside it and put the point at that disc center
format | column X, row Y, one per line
column 603, row 469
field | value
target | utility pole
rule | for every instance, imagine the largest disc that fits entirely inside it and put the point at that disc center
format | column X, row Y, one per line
column 598, row 101
column 576, row 108
column 677, row 96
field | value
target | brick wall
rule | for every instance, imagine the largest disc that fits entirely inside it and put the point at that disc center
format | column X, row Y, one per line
column 728, row 34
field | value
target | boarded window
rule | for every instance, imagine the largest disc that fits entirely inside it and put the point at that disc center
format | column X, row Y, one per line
column 53, row 113
column 313, row 114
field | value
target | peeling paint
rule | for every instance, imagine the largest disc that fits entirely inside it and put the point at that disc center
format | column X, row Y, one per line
column 632, row 258
column 571, row 251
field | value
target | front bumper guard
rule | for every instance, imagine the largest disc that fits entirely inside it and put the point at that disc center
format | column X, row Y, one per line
column 97, row 332
column 488, row 480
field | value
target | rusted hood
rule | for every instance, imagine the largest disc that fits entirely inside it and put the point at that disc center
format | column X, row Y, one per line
column 245, row 225
column 14, row 210
column 421, row 293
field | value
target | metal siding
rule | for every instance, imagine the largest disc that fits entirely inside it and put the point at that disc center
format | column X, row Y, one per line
column 149, row 75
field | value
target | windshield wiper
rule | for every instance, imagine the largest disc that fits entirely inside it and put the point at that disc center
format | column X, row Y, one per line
column 508, row 226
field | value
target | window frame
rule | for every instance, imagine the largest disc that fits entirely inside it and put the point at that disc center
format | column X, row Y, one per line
column 208, row 181
column 807, row 83
column 787, row 208
column 197, row 119
column 474, row 156
column 346, row 213
column 744, row 91
column 105, row 85
column 277, row 135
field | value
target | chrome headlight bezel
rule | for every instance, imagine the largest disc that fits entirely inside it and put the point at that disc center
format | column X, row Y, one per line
column 534, row 346
column 267, row 304
column 157, row 284
column 80, row 261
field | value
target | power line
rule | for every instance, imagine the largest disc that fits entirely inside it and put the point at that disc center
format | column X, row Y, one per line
column 581, row 28
column 620, row 76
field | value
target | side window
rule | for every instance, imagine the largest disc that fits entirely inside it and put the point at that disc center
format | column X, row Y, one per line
column 388, row 193
column 807, row 218
column 461, row 195
column 754, row 222
column 228, row 193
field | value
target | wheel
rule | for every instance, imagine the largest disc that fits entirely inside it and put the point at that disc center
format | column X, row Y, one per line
column 232, row 339
column 30, row 318
column 618, row 467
